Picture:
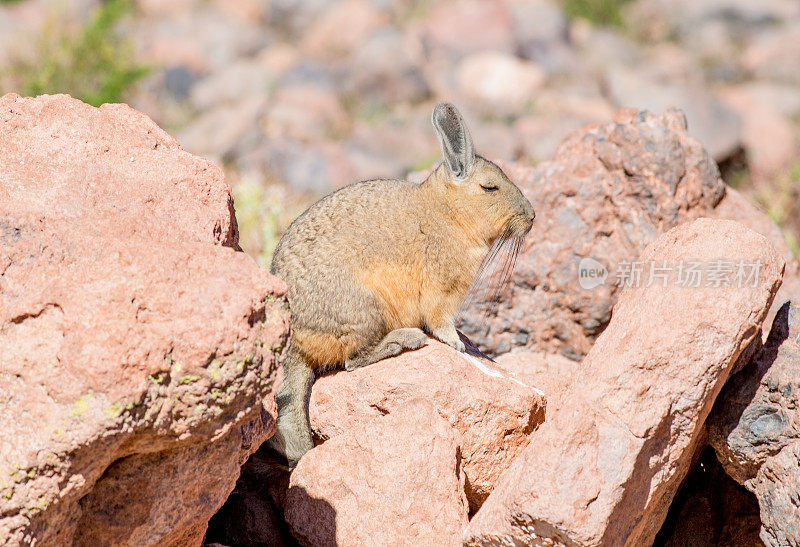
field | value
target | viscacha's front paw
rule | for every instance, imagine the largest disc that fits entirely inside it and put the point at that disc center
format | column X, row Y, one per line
column 451, row 338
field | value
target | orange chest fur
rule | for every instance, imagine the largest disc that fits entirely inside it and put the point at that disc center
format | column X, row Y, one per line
column 411, row 296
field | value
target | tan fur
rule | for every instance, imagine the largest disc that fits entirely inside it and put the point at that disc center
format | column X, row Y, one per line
column 372, row 265
column 398, row 287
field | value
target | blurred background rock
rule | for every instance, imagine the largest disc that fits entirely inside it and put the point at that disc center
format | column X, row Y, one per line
column 295, row 98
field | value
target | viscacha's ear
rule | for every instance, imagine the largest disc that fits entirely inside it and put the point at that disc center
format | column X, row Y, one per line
column 456, row 142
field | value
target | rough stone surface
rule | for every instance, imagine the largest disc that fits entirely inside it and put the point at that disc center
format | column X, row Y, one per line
column 711, row 122
column 391, row 480
column 603, row 470
column 551, row 373
column 139, row 354
column 755, row 428
column 64, row 159
column 735, row 206
column 493, row 413
column 777, row 487
column 757, row 413
column 610, row 190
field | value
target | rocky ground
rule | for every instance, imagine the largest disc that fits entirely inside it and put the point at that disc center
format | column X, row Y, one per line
column 295, row 98
column 141, row 346
column 141, row 352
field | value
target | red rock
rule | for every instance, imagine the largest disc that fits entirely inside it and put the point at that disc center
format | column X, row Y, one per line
column 130, row 170
column 734, row 206
column 710, row 120
column 755, row 428
column 492, row 412
column 551, row 373
column 391, row 480
column 604, row 469
column 140, row 353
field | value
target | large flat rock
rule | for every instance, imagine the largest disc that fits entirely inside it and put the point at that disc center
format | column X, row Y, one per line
column 493, row 413
column 391, row 480
column 139, row 351
column 65, row 159
column 604, row 468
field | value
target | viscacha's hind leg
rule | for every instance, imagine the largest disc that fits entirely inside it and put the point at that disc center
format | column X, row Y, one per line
column 293, row 437
column 390, row 345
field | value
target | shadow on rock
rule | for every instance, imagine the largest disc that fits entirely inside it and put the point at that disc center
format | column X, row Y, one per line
column 710, row 509
column 253, row 513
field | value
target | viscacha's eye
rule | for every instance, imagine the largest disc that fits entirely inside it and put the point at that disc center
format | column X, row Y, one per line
column 489, row 188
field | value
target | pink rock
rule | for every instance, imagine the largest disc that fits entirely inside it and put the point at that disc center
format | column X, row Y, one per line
column 114, row 164
column 140, row 353
column 464, row 27
column 391, row 480
column 609, row 191
column 734, row 206
column 603, row 470
column 500, row 80
column 767, row 135
column 341, row 29
column 710, row 121
column 551, row 373
column 306, row 113
column 755, row 428
column 492, row 412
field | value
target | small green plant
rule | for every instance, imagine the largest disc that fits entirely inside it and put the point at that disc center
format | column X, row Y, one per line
column 599, row 12
column 781, row 199
column 263, row 212
column 93, row 63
